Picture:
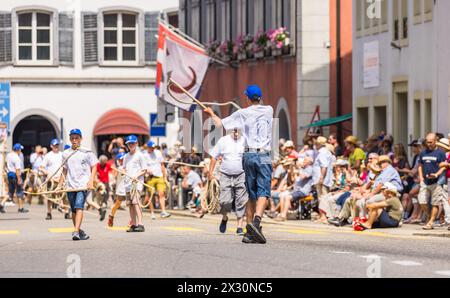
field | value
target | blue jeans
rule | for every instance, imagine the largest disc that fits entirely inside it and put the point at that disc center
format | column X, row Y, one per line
column 14, row 187
column 77, row 200
column 341, row 200
column 258, row 174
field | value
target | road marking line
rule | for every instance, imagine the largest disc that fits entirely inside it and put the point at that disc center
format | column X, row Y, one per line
column 183, row 229
column 61, row 230
column 302, row 231
column 343, row 252
column 445, row 273
column 117, row 228
column 407, row 263
column 9, row 232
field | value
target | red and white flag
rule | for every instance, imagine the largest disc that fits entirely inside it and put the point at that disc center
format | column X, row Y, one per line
column 184, row 62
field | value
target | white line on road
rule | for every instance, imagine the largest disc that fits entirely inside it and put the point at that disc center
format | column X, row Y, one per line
column 445, row 273
column 343, row 252
column 407, row 263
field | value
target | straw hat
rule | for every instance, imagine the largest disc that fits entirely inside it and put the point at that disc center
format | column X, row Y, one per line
column 321, row 140
column 352, row 140
column 289, row 144
column 330, row 147
column 384, row 158
column 444, row 143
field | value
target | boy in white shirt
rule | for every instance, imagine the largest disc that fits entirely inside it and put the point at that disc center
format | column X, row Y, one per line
column 135, row 165
column 79, row 172
column 14, row 167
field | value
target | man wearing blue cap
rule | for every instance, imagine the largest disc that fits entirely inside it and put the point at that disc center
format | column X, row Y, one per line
column 158, row 177
column 14, row 166
column 79, row 173
column 135, row 166
column 255, row 122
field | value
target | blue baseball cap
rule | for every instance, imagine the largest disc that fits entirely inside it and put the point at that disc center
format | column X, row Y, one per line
column 54, row 142
column 76, row 131
column 17, row 147
column 151, row 144
column 131, row 139
column 253, row 92
column 66, row 147
column 121, row 155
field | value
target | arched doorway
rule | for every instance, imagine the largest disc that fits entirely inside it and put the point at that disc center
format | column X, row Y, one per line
column 31, row 131
column 284, row 125
column 283, row 120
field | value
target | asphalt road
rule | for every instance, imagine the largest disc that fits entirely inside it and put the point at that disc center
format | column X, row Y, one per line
column 189, row 247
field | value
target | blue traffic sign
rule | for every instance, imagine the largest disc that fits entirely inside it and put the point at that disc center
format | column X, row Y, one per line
column 5, row 107
column 156, row 129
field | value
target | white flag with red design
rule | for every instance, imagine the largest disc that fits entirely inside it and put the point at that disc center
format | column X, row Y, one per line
column 184, row 62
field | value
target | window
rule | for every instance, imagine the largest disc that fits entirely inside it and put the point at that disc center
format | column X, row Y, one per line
column 405, row 19
column 120, row 37
column 358, row 17
column 396, row 24
column 34, row 33
column 384, row 15
column 428, row 10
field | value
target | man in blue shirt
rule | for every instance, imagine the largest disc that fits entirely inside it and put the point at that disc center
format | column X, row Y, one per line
column 429, row 173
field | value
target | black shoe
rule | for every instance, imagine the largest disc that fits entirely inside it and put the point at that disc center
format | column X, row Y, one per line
column 248, row 238
column 223, row 226
column 338, row 222
column 67, row 216
column 2, row 209
column 83, row 235
column 239, row 232
column 256, row 233
column 49, row 216
column 131, row 229
column 76, row 236
column 139, row 228
column 23, row 210
column 102, row 212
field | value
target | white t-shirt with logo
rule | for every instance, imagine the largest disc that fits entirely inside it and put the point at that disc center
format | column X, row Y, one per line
column 13, row 162
column 154, row 161
column 79, row 167
column 52, row 162
column 134, row 164
column 231, row 151
column 255, row 122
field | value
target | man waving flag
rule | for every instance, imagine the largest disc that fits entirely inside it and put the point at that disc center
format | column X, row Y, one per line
column 184, row 62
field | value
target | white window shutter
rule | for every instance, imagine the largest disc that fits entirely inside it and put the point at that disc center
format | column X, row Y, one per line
column 5, row 38
column 65, row 38
column 151, row 30
column 89, row 29
column 141, row 40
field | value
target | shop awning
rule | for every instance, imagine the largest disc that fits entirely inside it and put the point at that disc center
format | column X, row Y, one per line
column 121, row 122
column 331, row 121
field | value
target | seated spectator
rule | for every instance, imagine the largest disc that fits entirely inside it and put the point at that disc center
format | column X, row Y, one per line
column 301, row 188
column 387, row 213
column 192, row 186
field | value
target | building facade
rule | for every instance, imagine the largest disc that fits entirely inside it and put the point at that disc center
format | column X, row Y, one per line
column 84, row 64
column 297, row 80
column 401, row 71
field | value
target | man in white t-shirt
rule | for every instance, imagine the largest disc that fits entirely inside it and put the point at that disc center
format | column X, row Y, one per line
column 51, row 167
column 255, row 122
column 78, row 173
column 135, row 165
column 14, row 167
column 191, row 183
column 232, row 178
column 158, row 177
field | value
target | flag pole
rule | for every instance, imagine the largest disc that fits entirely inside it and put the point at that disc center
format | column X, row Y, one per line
column 172, row 82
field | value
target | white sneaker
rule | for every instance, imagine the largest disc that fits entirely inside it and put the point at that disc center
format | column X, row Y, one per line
column 153, row 216
column 165, row 214
column 9, row 204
